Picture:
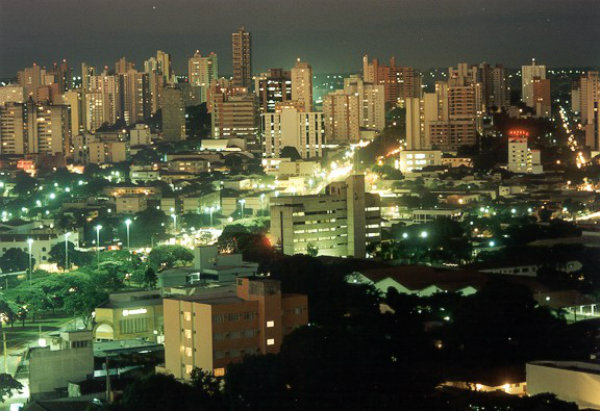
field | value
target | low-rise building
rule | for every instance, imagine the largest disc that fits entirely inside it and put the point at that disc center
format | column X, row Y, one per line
column 130, row 314
column 212, row 332
column 414, row 160
column 69, row 356
column 131, row 204
column 573, row 381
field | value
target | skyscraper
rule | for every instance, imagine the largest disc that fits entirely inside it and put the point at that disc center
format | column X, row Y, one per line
column 241, row 48
column 399, row 82
column 202, row 70
column 173, row 114
column 164, row 66
column 527, row 75
column 589, row 104
column 301, row 75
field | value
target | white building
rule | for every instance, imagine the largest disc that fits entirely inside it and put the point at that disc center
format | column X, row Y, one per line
column 202, row 70
column 289, row 127
column 416, row 160
column 577, row 382
column 338, row 223
column 521, row 159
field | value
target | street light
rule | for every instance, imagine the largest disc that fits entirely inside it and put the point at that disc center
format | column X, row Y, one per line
column 29, row 243
column 67, row 234
column 98, row 228
column 242, row 202
column 127, row 224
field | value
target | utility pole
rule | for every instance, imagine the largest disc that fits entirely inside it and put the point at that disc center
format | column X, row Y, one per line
column 108, row 387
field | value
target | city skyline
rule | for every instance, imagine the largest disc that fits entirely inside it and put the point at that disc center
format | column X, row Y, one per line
column 469, row 31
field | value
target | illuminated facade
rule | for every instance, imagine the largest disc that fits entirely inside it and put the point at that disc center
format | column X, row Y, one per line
column 521, row 159
column 211, row 331
column 301, row 76
column 338, row 223
column 528, row 73
column 241, row 48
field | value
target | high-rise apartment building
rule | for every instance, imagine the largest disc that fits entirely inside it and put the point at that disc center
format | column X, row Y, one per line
column 445, row 119
column 136, row 98
column 220, row 327
column 173, row 114
column 359, row 106
column 339, row 223
column 399, row 82
column 302, row 85
column 527, row 75
column 272, row 88
column 589, row 107
column 341, row 116
column 34, row 128
column 31, row 78
column 122, row 66
column 236, row 115
column 202, row 71
column 74, row 100
column 494, row 84
column 241, row 48
column 541, row 97
column 164, row 66
column 103, row 100
column 11, row 93
column 290, row 127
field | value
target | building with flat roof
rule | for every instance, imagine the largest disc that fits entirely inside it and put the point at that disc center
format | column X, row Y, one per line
column 213, row 331
column 338, row 223
column 574, row 381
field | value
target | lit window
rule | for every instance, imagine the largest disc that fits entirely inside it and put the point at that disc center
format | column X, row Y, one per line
column 271, row 341
column 188, row 351
column 188, row 333
column 187, row 316
column 219, row 372
column 270, row 324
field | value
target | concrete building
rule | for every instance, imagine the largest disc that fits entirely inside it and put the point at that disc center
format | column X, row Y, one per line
column 236, row 116
column 164, row 66
column 140, row 135
column 68, row 357
column 136, row 98
column 74, row 100
column 589, row 105
column 34, row 128
column 528, row 73
column 302, row 84
column 11, row 93
column 494, row 82
column 371, row 102
column 341, row 117
column 416, row 160
column 541, row 97
column 131, row 204
column 31, row 78
column 102, row 151
column 42, row 240
column 338, row 223
column 521, row 159
column 213, row 266
column 130, row 314
column 212, row 332
column 272, row 88
column 289, row 127
column 572, row 381
column 173, row 114
column 399, row 82
column 103, row 100
column 241, row 49
column 202, row 71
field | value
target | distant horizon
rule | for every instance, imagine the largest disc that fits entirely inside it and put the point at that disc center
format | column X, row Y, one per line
column 331, row 35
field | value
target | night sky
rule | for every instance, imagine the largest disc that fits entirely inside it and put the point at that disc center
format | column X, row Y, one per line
column 331, row 34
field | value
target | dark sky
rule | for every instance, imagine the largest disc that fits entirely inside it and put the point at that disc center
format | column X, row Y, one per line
column 331, row 34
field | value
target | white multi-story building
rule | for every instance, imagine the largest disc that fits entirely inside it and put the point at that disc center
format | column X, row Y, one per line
column 140, row 135
column 289, row 127
column 415, row 160
column 338, row 223
column 521, row 159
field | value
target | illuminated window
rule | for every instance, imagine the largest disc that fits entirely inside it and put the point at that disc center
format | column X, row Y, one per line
column 188, row 333
column 270, row 324
column 219, row 372
column 188, row 351
column 271, row 341
column 188, row 369
column 187, row 316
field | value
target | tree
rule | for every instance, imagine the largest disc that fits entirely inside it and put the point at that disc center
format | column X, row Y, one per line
column 150, row 278
column 168, row 256
column 7, row 385
column 15, row 259
column 7, row 314
column 84, row 301
column 77, row 258
column 157, row 393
